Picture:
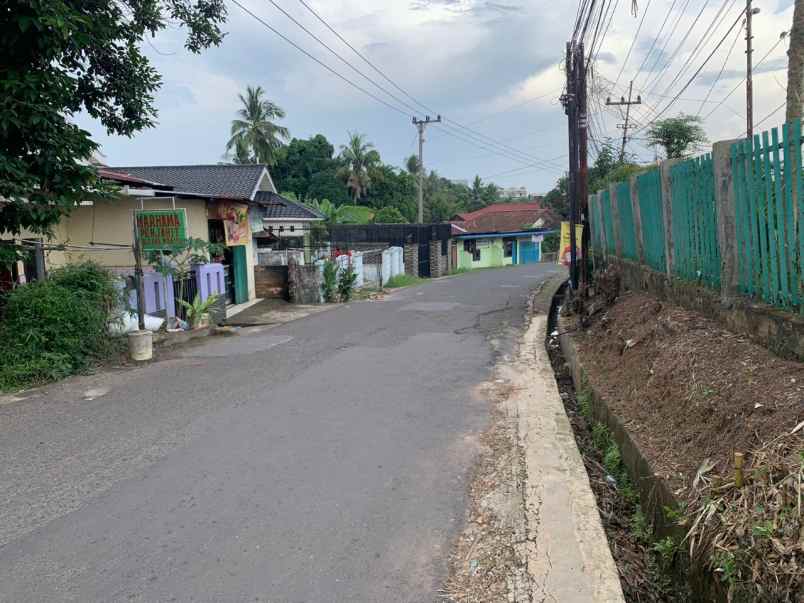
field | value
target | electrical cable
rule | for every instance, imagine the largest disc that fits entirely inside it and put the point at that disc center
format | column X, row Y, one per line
column 722, row 69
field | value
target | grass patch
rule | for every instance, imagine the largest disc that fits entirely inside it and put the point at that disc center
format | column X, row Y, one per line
column 402, row 280
column 461, row 270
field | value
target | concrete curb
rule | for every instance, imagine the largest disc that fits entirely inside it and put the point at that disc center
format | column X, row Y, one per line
column 566, row 549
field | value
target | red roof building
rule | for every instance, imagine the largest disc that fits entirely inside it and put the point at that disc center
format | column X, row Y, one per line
column 506, row 217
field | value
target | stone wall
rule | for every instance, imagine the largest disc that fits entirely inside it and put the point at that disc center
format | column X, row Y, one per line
column 781, row 332
column 439, row 264
column 304, row 283
column 271, row 282
column 411, row 256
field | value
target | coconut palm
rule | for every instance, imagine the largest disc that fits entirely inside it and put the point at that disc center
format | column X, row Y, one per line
column 360, row 158
column 255, row 138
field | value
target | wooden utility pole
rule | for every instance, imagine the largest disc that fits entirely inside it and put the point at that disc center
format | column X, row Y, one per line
column 582, row 185
column 569, row 100
column 749, row 80
column 627, row 104
column 138, row 277
column 420, row 125
column 795, row 64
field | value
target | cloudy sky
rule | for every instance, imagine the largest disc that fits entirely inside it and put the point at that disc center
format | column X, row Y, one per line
column 489, row 65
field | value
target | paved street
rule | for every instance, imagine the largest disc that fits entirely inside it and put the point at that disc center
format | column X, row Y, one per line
column 322, row 460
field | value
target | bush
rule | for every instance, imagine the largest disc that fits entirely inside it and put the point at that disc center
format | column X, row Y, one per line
column 346, row 282
column 54, row 328
column 402, row 280
column 330, row 282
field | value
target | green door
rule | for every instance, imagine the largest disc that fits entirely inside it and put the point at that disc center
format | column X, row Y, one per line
column 240, row 274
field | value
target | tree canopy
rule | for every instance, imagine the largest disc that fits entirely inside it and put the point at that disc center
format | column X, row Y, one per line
column 62, row 58
column 678, row 136
column 255, row 137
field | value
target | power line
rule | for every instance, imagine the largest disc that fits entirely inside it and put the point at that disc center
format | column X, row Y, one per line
column 633, row 42
column 694, row 75
column 593, row 58
column 740, row 83
column 660, row 54
column 710, row 30
column 343, row 60
column 656, row 39
column 769, row 115
column 457, row 124
column 722, row 69
column 319, row 61
column 362, row 56
column 654, row 81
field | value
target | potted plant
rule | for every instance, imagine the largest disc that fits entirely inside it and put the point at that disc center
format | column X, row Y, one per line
column 198, row 311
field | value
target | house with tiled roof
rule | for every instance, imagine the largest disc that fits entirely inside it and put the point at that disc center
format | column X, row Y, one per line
column 502, row 234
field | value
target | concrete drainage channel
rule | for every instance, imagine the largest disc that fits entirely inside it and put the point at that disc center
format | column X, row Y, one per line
column 645, row 576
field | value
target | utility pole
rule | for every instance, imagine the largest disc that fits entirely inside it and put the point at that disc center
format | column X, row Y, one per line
column 749, row 80
column 582, row 185
column 569, row 100
column 420, row 125
column 627, row 104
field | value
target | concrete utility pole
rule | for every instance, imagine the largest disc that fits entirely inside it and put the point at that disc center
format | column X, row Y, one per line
column 627, row 104
column 749, row 80
column 420, row 125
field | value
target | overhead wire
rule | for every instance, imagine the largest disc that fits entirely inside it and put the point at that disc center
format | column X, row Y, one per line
column 656, row 39
column 633, row 42
column 694, row 75
column 660, row 54
column 722, row 69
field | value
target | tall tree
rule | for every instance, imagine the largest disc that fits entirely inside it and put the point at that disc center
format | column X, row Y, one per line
column 677, row 135
column 477, row 201
column 795, row 64
column 412, row 164
column 58, row 59
column 360, row 158
column 255, row 137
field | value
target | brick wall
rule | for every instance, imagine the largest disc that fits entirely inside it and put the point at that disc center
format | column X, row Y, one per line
column 439, row 265
column 271, row 281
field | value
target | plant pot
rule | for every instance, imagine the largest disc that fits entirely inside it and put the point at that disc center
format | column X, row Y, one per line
column 140, row 345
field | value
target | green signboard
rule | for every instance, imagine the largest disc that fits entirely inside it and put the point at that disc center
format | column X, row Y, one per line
column 161, row 229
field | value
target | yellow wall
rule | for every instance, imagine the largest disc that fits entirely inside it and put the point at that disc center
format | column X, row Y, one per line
column 110, row 222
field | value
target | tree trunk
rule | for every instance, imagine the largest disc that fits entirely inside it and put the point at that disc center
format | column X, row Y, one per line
column 795, row 64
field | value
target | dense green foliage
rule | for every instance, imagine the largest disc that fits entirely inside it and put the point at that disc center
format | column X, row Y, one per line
column 402, row 280
column 346, row 282
column 678, row 136
column 60, row 58
column 389, row 215
column 56, row 327
column 330, row 284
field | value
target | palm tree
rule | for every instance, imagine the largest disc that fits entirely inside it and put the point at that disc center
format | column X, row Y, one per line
column 255, row 137
column 360, row 157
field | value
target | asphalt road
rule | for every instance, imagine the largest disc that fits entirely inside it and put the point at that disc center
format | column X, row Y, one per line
column 322, row 460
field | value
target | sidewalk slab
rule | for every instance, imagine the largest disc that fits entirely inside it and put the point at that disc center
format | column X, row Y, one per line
column 567, row 552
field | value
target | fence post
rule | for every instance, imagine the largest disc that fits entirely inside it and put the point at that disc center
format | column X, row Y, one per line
column 633, row 186
column 667, row 213
column 726, row 220
column 615, row 220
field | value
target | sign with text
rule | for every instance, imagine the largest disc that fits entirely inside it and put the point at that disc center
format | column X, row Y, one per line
column 161, row 228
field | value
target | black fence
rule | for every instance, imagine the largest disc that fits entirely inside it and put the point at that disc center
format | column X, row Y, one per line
column 186, row 288
column 366, row 236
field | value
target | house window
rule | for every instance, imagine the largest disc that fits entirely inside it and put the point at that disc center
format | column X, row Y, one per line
column 470, row 246
column 292, row 228
column 508, row 245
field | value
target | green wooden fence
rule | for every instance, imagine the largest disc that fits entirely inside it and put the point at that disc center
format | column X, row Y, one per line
column 608, row 221
column 769, row 213
column 595, row 225
column 625, row 213
column 768, row 202
column 651, row 211
column 696, row 254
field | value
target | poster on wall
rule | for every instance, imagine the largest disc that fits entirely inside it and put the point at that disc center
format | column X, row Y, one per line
column 564, row 256
column 161, row 229
column 235, row 223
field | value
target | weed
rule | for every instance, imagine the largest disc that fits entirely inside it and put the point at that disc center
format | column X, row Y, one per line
column 762, row 530
column 726, row 565
column 675, row 515
column 601, row 437
column 612, row 459
column 666, row 549
column 402, row 280
column 640, row 526
column 584, row 397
